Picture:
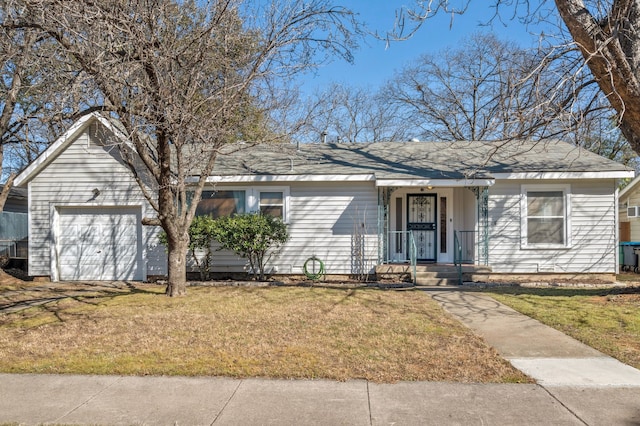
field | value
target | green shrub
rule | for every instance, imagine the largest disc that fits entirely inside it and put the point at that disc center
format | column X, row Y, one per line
column 252, row 236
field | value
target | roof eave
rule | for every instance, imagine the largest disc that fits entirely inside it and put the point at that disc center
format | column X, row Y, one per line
column 419, row 182
column 287, row 178
column 612, row 174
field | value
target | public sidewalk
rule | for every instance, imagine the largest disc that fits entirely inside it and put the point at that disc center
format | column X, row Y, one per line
column 576, row 386
column 115, row 400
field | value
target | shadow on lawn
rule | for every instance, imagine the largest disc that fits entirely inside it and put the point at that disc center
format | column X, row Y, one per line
column 49, row 295
column 560, row 291
column 367, row 296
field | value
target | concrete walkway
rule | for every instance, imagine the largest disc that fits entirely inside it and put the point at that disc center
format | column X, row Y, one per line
column 576, row 386
column 550, row 357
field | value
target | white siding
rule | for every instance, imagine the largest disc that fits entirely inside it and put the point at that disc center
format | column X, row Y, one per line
column 69, row 180
column 592, row 227
column 333, row 221
column 632, row 198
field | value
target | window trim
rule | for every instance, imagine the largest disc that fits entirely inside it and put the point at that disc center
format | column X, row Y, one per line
column 566, row 192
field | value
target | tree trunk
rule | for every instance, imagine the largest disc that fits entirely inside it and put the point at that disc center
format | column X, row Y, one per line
column 177, row 280
column 611, row 51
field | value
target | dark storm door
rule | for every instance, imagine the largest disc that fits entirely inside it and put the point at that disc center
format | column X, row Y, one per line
column 421, row 211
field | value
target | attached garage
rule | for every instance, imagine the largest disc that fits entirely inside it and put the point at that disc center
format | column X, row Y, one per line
column 99, row 243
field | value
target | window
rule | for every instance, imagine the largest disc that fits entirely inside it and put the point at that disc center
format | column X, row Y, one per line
column 545, row 217
column 271, row 200
column 272, row 203
column 221, row 203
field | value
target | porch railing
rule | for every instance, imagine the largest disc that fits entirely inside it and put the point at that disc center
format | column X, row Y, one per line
column 457, row 256
column 413, row 256
column 464, row 249
column 401, row 248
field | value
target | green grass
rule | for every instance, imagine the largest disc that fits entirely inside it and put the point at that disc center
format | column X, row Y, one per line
column 606, row 319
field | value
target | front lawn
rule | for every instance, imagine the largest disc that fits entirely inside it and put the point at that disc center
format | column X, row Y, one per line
column 605, row 319
column 278, row 332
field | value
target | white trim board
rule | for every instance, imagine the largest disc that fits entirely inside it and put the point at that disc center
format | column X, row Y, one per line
column 565, row 175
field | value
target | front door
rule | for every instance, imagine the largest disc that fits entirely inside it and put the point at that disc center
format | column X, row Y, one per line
column 421, row 219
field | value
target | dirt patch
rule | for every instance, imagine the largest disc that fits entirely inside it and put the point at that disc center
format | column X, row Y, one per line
column 9, row 278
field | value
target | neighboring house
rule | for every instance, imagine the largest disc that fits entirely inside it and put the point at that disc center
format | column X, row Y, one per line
column 629, row 211
column 14, row 230
column 517, row 207
column 17, row 201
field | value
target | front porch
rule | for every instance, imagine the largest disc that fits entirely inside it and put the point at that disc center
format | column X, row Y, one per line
column 433, row 235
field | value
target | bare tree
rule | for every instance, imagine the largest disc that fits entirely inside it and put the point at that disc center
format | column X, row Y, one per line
column 186, row 78
column 350, row 114
column 29, row 91
column 604, row 32
column 489, row 89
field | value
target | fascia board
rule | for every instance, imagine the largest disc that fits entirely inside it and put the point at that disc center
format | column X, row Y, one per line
column 435, row 182
column 287, row 178
column 618, row 174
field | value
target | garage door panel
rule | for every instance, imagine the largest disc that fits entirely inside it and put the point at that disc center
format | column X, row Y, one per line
column 124, row 239
column 75, row 272
column 99, row 259
column 97, row 250
column 98, row 262
column 99, row 244
column 82, row 272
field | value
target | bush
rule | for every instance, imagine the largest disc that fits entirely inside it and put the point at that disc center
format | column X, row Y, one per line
column 252, row 236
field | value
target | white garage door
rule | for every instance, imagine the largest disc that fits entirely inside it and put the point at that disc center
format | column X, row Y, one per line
column 99, row 244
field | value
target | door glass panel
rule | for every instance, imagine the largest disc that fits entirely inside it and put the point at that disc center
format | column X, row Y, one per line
column 443, row 224
column 398, row 240
column 422, row 222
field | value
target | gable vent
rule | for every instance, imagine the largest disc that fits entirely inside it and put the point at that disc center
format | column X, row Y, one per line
column 632, row 211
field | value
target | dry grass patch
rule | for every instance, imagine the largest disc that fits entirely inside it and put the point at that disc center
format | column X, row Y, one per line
column 605, row 319
column 280, row 332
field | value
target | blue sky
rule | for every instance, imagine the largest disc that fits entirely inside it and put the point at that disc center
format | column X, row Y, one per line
column 375, row 63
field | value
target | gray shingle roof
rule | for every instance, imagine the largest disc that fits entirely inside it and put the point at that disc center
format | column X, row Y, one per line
column 406, row 160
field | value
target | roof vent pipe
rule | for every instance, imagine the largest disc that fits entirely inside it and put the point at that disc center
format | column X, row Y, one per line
column 323, row 137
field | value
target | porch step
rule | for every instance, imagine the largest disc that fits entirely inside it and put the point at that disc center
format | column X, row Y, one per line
column 437, row 275
column 434, row 282
column 433, row 274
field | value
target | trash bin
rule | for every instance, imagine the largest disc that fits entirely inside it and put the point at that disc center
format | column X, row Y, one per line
column 628, row 256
